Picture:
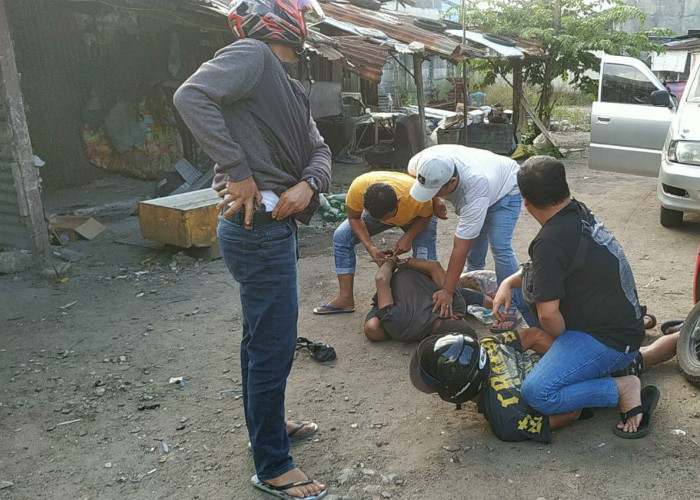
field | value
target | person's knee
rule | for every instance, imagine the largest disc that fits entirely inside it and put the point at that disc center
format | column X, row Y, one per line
column 374, row 330
column 534, row 394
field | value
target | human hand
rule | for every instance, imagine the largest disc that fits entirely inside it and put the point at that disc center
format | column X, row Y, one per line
column 377, row 255
column 243, row 195
column 502, row 300
column 293, row 200
column 442, row 300
column 439, row 208
column 403, row 245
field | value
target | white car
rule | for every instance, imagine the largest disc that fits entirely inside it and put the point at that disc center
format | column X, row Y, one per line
column 637, row 127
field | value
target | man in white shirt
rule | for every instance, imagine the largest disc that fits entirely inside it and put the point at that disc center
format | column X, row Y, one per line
column 483, row 189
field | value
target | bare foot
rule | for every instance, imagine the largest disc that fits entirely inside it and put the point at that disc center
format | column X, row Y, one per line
column 294, row 476
column 629, row 395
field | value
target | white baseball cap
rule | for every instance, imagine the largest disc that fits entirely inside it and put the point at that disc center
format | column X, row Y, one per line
column 431, row 176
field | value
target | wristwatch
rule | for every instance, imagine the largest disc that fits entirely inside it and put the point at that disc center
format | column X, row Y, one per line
column 312, row 182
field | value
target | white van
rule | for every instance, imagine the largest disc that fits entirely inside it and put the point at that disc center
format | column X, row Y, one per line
column 637, row 127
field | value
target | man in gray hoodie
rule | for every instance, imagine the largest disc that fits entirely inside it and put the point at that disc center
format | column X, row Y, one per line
column 271, row 163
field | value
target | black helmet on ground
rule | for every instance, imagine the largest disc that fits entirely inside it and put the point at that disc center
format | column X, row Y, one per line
column 454, row 365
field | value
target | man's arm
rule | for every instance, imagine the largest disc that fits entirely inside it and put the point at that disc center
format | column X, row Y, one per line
column 229, row 77
column 383, row 282
column 360, row 229
column 406, row 241
column 319, row 166
column 550, row 317
column 504, row 295
column 430, row 267
column 443, row 298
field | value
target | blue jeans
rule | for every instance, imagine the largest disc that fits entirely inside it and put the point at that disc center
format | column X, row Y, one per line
column 573, row 375
column 497, row 232
column 263, row 260
column 344, row 241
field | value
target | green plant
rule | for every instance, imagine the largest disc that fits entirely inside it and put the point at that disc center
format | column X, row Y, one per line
column 568, row 31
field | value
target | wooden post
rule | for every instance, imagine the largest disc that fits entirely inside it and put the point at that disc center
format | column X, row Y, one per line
column 465, row 76
column 418, row 77
column 517, row 92
column 23, row 169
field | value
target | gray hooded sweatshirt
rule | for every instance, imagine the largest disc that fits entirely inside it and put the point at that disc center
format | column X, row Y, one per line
column 251, row 118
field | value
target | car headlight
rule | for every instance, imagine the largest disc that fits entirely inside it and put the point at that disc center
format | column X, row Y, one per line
column 687, row 152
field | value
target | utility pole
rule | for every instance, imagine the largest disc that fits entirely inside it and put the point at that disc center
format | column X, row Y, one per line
column 465, row 77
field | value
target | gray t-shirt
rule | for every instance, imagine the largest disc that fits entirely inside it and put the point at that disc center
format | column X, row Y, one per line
column 409, row 318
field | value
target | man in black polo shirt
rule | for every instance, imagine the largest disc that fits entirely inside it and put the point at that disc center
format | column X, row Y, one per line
column 583, row 289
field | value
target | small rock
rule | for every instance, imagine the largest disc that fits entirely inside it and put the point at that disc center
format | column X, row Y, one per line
column 6, row 484
column 345, row 476
column 354, row 426
column 184, row 419
column 99, row 392
column 149, row 328
column 66, row 411
column 454, row 459
column 385, row 494
column 14, row 262
column 372, row 489
column 368, row 472
column 122, row 359
column 162, row 459
column 389, row 478
column 108, row 465
column 452, row 448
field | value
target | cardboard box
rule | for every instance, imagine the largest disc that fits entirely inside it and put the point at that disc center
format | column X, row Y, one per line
column 68, row 227
column 183, row 220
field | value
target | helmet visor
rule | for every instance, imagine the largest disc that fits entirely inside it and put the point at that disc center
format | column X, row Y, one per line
column 421, row 380
column 313, row 13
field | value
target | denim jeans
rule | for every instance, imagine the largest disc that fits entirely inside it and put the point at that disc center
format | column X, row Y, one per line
column 573, row 375
column 263, row 260
column 344, row 241
column 497, row 233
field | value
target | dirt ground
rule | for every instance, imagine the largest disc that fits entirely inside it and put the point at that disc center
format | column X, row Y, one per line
column 72, row 377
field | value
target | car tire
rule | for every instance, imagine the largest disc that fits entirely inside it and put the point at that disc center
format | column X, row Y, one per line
column 670, row 218
column 500, row 39
column 688, row 347
column 433, row 25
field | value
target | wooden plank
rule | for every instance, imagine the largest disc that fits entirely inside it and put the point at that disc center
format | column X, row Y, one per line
column 24, row 171
column 531, row 111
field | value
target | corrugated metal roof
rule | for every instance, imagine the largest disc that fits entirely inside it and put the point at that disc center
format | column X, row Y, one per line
column 400, row 27
column 688, row 44
column 355, row 53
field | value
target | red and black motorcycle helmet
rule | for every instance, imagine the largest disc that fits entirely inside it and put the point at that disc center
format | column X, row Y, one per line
column 274, row 20
column 454, row 365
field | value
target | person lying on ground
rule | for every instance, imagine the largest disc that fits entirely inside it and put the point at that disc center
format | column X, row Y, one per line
column 483, row 188
column 377, row 201
column 491, row 373
column 583, row 290
column 402, row 308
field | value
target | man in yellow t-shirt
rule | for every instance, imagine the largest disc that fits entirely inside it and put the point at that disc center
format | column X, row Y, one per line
column 377, row 201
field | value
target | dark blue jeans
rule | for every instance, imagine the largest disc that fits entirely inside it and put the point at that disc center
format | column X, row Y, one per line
column 263, row 260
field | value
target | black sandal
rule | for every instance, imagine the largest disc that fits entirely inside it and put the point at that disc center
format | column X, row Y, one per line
column 650, row 397
column 671, row 326
column 279, row 491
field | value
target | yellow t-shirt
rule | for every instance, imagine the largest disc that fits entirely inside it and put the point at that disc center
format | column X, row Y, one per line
column 408, row 209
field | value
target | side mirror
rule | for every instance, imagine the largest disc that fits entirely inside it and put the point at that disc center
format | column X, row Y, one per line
column 661, row 98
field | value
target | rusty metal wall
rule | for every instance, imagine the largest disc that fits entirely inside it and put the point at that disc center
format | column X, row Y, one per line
column 48, row 49
column 13, row 228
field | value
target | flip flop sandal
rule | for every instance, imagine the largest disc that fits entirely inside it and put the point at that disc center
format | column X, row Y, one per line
column 508, row 318
column 279, row 491
column 650, row 398
column 300, row 424
column 294, row 435
column 329, row 309
column 653, row 321
column 671, row 326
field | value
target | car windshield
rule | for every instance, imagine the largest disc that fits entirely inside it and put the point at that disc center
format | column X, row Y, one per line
column 694, row 94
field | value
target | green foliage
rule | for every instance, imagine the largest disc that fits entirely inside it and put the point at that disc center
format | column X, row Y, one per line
column 567, row 30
